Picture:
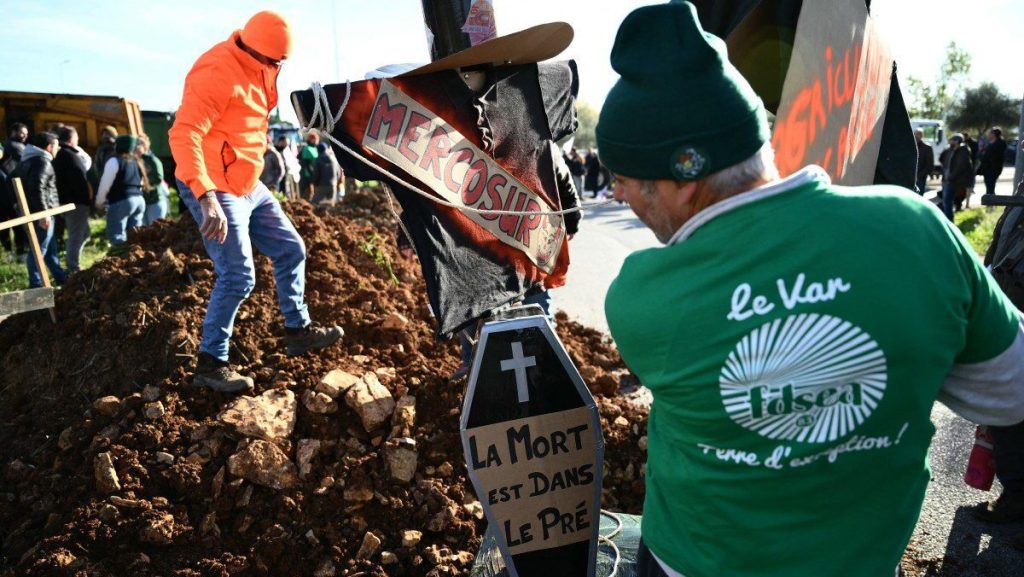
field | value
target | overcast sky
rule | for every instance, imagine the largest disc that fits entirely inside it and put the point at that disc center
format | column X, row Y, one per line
column 142, row 50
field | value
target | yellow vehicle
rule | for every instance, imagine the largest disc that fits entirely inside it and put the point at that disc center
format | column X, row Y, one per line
column 87, row 114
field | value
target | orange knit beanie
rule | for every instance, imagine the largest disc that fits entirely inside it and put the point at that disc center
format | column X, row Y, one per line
column 268, row 33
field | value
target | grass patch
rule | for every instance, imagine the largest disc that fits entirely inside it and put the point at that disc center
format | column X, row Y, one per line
column 14, row 275
column 978, row 224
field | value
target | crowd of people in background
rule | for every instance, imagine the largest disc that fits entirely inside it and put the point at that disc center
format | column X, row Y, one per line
column 310, row 172
column 961, row 163
column 125, row 181
column 588, row 174
column 123, row 178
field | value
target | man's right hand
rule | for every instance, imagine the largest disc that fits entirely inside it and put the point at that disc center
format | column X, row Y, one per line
column 215, row 224
column 44, row 223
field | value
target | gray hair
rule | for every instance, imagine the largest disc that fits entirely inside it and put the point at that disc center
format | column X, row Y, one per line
column 739, row 177
column 742, row 176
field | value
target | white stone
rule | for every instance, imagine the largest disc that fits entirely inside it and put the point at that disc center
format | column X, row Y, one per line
column 108, row 405
column 318, row 403
column 270, row 416
column 307, row 449
column 411, row 537
column 371, row 401
column 105, row 474
column 335, row 383
column 265, row 464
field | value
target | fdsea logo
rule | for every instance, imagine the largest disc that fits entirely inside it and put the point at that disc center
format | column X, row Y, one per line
column 807, row 378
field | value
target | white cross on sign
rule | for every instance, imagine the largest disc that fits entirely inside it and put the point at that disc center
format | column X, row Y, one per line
column 518, row 363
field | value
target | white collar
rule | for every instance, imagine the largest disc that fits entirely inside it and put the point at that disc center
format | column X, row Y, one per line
column 801, row 177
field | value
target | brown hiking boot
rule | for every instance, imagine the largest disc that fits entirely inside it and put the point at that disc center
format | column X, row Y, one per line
column 218, row 375
column 310, row 337
column 1008, row 508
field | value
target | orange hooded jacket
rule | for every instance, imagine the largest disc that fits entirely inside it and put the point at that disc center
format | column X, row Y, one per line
column 220, row 131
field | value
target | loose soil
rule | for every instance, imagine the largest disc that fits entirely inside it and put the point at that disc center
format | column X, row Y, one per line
column 129, row 327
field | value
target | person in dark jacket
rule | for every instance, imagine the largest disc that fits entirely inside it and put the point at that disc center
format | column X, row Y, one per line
column 327, row 175
column 156, row 195
column 40, row 183
column 957, row 175
column 9, row 158
column 576, row 168
column 15, row 147
column 925, row 161
column 593, row 165
column 991, row 165
column 73, row 188
column 273, row 167
column 122, row 183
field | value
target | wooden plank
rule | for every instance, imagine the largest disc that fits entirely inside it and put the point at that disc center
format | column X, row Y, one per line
column 36, row 216
column 26, row 300
column 33, row 241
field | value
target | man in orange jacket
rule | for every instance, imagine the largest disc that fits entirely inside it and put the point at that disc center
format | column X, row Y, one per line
column 218, row 141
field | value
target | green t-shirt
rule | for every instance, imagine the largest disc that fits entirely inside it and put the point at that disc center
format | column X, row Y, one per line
column 795, row 344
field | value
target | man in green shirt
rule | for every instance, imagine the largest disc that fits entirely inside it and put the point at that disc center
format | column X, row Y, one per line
column 791, row 332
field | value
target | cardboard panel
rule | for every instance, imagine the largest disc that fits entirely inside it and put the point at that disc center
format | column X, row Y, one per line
column 835, row 95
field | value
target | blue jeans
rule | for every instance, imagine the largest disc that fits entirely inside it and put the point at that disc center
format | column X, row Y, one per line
column 254, row 220
column 157, row 210
column 948, row 193
column 543, row 299
column 123, row 215
column 51, row 257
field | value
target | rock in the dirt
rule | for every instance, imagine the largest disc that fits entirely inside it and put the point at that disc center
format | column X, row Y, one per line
column 108, row 405
column 642, row 443
column 158, row 530
column 335, row 383
column 388, row 558
column 107, row 513
column 154, row 410
column 307, row 449
column 265, row 464
column 66, row 439
column 475, row 509
column 319, row 403
column 371, row 543
column 163, row 458
column 405, row 413
column 150, row 393
column 401, row 457
column 106, row 475
column 621, row 422
column 371, row 401
column 270, row 416
column 358, row 492
column 394, row 322
column 325, row 569
column 411, row 537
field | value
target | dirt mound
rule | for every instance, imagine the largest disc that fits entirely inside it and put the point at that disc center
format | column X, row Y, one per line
column 112, row 464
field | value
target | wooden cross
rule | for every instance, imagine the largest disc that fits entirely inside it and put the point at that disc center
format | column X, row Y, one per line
column 37, row 298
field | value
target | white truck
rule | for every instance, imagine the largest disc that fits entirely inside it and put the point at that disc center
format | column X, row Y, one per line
column 934, row 136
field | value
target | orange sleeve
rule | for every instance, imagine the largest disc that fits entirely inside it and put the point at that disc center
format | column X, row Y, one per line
column 206, row 96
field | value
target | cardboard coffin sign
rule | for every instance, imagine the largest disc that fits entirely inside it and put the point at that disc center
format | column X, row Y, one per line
column 534, row 450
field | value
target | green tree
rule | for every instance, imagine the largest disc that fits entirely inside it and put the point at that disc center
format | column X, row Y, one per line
column 982, row 108
column 936, row 100
column 587, row 116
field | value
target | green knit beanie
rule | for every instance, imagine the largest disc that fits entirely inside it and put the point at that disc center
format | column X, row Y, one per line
column 680, row 110
column 125, row 144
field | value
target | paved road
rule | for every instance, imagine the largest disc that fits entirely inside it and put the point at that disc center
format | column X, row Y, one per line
column 947, row 528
